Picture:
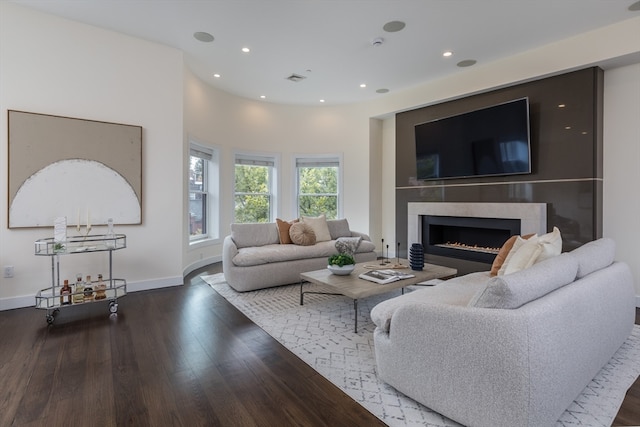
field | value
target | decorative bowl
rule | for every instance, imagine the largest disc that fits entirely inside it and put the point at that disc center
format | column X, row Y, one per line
column 341, row 271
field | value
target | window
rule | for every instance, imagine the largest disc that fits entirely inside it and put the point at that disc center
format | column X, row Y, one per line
column 203, row 171
column 318, row 186
column 254, row 188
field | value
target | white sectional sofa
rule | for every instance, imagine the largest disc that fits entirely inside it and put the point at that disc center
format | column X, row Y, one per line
column 253, row 257
column 512, row 350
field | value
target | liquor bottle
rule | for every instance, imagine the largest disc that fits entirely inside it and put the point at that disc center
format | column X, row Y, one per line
column 65, row 293
column 101, row 288
column 78, row 290
column 88, row 290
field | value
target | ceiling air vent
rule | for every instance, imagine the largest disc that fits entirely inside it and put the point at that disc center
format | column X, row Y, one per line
column 296, row 78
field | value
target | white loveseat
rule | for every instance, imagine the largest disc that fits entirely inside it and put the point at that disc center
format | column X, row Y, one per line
column 512, row 350
column 253, row 257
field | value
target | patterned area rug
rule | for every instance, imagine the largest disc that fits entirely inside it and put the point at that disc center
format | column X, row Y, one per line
column 321, row 333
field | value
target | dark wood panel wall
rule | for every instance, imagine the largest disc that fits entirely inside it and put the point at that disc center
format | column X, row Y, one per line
column 566, row 156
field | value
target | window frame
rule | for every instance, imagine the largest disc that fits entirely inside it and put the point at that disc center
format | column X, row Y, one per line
column 317, row 160
column 210, row 191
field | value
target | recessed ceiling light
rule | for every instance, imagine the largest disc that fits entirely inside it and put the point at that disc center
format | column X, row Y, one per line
column 216, row 75
column 246, row 50
column 635, row 7
column 567, row 127
column 467, row 63
column 561, row 105
column 263, row 96
column 393, row 26
column 322, row 100
column 203, row 37
column 383, row 90
column 363, row 85
column 447, row 54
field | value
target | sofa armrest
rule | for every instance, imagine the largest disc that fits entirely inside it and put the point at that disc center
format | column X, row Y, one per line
column 229, row 250
column 358, row 234
column 469, row 364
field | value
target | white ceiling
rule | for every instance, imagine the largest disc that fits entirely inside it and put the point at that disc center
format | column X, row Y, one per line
column 330, row 41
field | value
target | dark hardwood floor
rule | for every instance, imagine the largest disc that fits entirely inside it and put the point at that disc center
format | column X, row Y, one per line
column 180, row 356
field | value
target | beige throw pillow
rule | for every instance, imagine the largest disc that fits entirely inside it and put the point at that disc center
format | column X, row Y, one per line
column 516, row 245
column 319, row 226
column 525, row 256
column 302, row 234
column 551, row 245
column 502, row 254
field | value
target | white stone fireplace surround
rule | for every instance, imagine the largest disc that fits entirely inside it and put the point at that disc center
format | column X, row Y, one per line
column 532, row 216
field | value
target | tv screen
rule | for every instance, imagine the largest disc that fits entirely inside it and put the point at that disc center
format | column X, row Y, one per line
column 484, row 142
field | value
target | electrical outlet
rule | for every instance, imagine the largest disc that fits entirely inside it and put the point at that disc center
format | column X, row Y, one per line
column 8, row 271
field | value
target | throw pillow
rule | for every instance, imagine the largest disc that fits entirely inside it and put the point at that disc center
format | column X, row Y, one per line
column 283, row 230
column 551, row 245
column 338, row 228
column 503, row 254
column 319, row 226
column 524, row 257
column 302, row 234
column 516, row 245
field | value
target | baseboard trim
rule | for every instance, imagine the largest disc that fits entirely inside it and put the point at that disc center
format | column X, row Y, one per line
column 201, row 263
column 24, row 301
column 17, row 302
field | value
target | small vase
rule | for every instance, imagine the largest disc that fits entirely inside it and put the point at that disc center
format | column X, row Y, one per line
column 416, row 257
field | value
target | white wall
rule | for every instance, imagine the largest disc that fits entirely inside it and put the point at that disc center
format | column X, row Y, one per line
column 621, row 164
column 54, row 66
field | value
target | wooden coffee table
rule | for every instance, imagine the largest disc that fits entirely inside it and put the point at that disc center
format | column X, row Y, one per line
column 351, row 286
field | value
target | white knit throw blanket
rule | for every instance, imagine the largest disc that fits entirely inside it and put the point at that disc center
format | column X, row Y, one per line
column 348, row 245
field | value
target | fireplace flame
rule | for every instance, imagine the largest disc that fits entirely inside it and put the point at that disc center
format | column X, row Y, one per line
column 465, row 247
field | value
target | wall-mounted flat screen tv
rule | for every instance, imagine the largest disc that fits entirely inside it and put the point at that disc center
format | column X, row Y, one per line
column 484, row 142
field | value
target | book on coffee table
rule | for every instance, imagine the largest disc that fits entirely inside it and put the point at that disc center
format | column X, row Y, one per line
column 384, row 276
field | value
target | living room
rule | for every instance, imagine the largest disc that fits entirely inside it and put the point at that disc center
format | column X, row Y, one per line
column 159, row 253
column 50, row 65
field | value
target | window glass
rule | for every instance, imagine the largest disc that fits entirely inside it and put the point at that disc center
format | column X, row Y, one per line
column 202, row 192
column 253, row 190
column 318, row 186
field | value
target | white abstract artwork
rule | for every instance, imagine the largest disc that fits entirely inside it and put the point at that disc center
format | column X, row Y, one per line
column 84, row 191
column 86, row 171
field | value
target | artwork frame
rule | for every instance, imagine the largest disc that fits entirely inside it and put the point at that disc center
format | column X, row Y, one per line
column 85, row 170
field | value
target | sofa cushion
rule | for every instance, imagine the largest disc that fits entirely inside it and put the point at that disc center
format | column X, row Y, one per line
column 319, row 226
column 338, row 228
column 283, row 230
column 302, row 234
column 514, row 290
column 254, row 234
column 594, row 255
column 456, row 291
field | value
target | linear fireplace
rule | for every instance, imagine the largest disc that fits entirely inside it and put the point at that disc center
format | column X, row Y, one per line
column 474, row 239
column 471, row 231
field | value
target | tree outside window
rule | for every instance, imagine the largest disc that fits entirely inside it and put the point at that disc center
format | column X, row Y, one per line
column 318, row 186
column 253, row 189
